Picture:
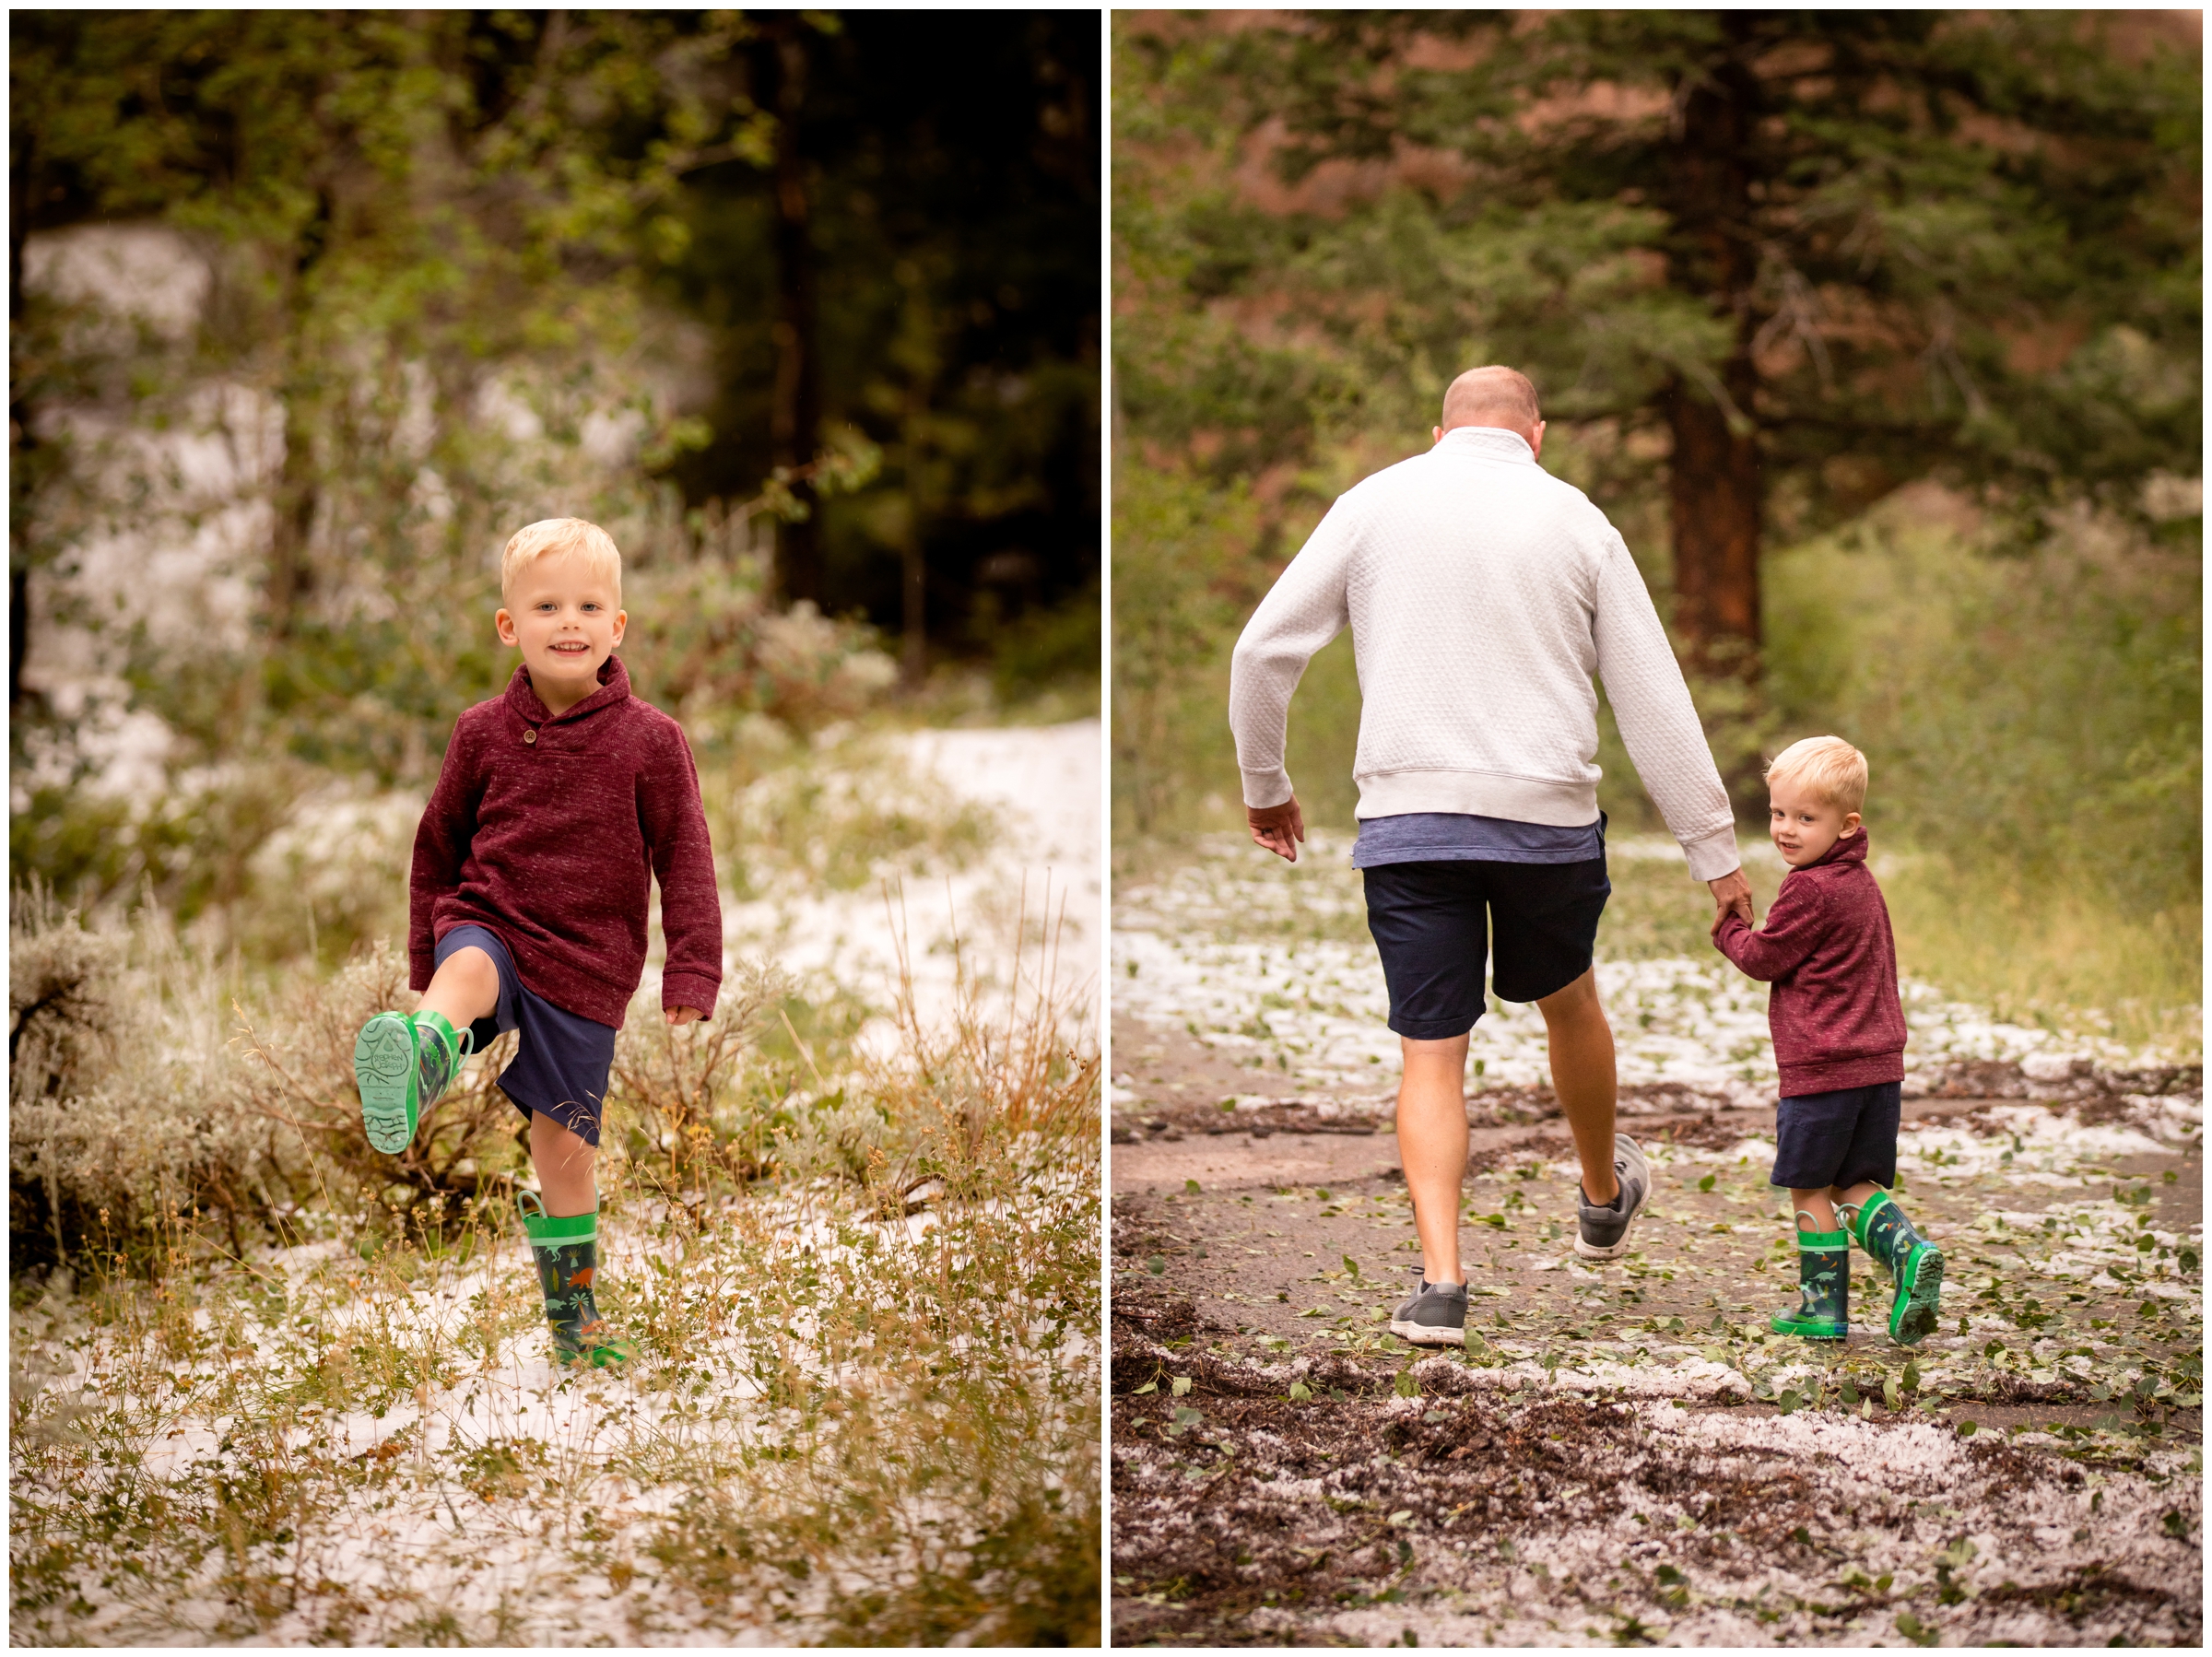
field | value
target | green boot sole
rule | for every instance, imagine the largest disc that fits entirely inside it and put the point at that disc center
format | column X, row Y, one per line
column 1912, row 1310
column 386, row 1058
column 1810, row 1329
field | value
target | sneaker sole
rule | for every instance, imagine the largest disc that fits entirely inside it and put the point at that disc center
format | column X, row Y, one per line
column 384, row 1068
column 1912, row 1315
column 1428, row 1335
column 1590, row 1251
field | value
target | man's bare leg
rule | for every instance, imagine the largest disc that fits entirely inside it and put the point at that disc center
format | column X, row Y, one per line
column 1432, row 1143
column 1583, row 1078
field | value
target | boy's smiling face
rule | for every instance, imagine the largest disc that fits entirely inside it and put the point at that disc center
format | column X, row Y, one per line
column 564, row 617
column 1804, row 825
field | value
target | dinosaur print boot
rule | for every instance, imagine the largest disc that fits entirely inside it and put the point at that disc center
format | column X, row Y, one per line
column 566, row 1248
column 402, row 1061
column 1914, row 1265
column 1823, row 1309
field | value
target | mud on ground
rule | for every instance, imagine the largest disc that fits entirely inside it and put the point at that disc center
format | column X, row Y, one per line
column 1624, row 1454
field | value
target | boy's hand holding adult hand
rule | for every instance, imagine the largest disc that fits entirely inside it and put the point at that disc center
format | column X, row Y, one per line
column 1278, row 827
column 1733, row 893
column 684, row 1016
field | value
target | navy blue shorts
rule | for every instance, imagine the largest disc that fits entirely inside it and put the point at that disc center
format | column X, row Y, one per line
column 1434, row 921
column 560, row 1069
column 1824, row 1139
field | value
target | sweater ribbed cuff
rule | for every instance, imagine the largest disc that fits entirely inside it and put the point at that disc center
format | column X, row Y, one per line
column 1712, row 856
column 689, row 989
column 1263, row 789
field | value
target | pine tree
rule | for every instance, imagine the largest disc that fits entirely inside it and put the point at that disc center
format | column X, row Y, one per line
column 1822, row 252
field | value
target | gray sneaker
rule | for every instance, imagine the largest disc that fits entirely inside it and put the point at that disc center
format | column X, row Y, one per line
column 1435, row 1317
column 1602, row 1231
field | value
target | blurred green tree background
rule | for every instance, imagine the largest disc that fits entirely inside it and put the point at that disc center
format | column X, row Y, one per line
column 1878, row 333
column 310, row 311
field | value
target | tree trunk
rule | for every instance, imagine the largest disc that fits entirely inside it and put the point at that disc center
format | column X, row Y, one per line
column 798, row 399
column 914, row 579
column 290, row 576
column 1714, row 488
column 1716, row 484
column 21, row 444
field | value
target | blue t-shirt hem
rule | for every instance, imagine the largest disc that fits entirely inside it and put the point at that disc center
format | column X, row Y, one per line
column 1454, row 837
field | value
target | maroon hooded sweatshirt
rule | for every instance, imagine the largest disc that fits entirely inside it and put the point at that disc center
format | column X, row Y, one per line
column 548, row 830
column 1828, row 952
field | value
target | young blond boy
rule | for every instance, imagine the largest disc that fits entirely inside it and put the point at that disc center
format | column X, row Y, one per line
column 560, row 801
column 1840, row 1044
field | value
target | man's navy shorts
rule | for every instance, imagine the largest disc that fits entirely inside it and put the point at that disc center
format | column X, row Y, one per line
column 1824, row 1139
column 1433, row 921
column 561, row 1068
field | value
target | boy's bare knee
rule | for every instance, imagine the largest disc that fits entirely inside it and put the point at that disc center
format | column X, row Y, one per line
column 476, row 968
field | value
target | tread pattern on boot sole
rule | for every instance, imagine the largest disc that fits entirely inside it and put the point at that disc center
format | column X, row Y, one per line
column 1912, row 1316
column 384, row 1064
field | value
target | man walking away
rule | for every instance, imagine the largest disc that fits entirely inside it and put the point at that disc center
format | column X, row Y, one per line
column 1482, row 593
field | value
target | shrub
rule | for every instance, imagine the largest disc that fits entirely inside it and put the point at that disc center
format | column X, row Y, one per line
column 706, row 1109
column 126, row 1117
column 297, row 1072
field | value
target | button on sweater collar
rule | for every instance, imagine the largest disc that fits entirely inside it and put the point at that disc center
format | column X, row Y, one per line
column 613, row 686
column 1491, row 442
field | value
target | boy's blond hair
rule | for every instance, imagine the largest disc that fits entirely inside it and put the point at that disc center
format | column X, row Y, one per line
column 1832, row 768
column 548, row 535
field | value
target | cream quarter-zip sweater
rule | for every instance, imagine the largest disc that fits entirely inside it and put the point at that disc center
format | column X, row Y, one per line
column 1482, row 593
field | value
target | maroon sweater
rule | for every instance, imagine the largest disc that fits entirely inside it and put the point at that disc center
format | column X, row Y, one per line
column 548, row 830
column 1827, row 950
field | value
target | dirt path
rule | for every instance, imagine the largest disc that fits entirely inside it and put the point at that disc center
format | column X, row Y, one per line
column 1626, row 1453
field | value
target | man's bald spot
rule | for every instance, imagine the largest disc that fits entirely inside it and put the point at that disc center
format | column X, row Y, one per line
column 1495, row 396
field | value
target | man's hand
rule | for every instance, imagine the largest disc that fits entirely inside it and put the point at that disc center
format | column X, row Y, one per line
column 684, row 1016
column 1278, row 827
column 1733, row 893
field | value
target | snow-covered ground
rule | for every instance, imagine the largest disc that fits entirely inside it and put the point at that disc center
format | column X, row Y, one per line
column 1625, row 1452
column 1037, row 790
column 335, row 1442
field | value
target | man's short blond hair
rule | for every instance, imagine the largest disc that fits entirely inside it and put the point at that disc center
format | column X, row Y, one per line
column 550, row 535
column 1832, row 768
column 1492, row 395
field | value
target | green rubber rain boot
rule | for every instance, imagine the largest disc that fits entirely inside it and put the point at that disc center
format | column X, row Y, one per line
column 402, row 1061
column 1823, row 1309
column 1914, row 1265
column 566, row 1248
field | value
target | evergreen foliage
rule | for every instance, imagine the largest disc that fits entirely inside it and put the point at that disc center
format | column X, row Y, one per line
column 1772, row 273
column 447, row 273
